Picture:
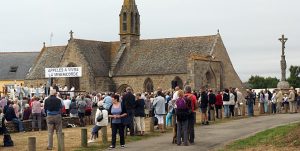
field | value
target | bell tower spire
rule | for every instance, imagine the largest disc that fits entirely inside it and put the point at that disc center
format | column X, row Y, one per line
column 129, row 22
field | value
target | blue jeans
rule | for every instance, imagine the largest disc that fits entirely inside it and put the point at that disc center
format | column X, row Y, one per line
column 226, row 111
column 182, row 128
column 169, row 119
column 19, row 123
column 250, row 108
column 266, row 106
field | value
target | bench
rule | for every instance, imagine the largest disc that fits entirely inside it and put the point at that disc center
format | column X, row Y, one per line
column 12, row 128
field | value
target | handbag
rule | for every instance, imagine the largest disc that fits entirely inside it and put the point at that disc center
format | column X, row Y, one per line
column 100, row 117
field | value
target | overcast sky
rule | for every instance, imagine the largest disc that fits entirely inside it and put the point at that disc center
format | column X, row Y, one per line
column 250, row 28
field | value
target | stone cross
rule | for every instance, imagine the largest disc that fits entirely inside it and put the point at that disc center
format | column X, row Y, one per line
column 71, row 34
column 283, row 41
column 283, row 62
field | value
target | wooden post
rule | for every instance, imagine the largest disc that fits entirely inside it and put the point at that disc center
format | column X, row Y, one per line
column 243, row 110
column 165, row 124
column 173, row 120
column 83, row 137
column 270, row 108
column 261, row 108
column 32, row 143
column 104, row 134
column 151, row 124
column 212, row 114
column 61, row 142
column 220, row 114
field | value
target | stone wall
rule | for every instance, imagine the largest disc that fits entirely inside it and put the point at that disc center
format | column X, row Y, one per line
column 230, row 78
column 198, row 74
column 137, row 82
column 72, row 55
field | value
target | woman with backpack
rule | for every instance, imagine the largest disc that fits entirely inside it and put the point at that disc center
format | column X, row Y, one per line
column 101, row 120
column 182, row 112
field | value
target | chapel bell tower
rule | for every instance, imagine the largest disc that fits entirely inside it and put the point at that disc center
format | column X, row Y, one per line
column 129, row 22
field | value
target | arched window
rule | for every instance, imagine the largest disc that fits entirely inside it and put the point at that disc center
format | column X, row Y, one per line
column 137, row 22
column 73, row 81
column 148, row 85
column 177, row 82
column 124, row 22
column 122, row 88
column 132, row 23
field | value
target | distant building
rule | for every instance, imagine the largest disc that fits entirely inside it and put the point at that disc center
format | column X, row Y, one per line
column 14, row 66
column 143, row 65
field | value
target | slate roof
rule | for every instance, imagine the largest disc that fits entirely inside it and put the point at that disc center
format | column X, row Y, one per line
column 49, row 57
column 163, row 56
column 97, row 54
column 22, row 60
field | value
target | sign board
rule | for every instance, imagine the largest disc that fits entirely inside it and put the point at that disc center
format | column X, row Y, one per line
column 63, row 72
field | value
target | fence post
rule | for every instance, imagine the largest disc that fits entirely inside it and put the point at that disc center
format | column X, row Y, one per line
column 83, row 137
column 104, row 134
column 165, row 124
column 61, row 142
column 32, row 143
column 243, row 110
column 173, row 120
column 270, row 108
column 151, row 124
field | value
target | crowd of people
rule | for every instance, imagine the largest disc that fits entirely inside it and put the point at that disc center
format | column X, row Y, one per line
column 126, row 112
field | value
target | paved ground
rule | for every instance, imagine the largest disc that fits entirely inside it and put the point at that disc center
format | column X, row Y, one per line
column 215, row 136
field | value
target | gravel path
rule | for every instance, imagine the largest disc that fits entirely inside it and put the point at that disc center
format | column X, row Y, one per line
column 214, row 136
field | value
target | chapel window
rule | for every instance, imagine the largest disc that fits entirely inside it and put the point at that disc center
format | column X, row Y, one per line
column 124, row 22
column 13, row 69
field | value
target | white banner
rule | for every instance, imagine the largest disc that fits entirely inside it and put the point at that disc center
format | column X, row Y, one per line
column 63, row 72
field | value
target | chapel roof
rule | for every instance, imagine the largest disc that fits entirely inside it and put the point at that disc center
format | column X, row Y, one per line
column 97, row 54
column 49, row 57
column 163, row 56
column 15, row 65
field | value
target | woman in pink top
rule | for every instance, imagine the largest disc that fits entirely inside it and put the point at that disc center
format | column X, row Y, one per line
column 36, row 113
column 16, row 107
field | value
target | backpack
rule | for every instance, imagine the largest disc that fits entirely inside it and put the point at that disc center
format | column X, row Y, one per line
column 226, row 97
column 188, row 102
column 7, row 141
column 181, row 103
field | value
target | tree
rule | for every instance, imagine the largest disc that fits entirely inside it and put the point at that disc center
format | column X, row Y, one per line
column 258, row 82
column 294, row 78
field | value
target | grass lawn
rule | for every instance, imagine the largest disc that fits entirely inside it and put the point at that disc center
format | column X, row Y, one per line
column 279, row 138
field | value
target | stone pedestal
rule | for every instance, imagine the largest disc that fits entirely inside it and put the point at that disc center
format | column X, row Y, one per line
column 284, row 86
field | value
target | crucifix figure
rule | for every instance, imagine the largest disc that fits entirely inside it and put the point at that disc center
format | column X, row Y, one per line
column 283, row 62
column 71, row 34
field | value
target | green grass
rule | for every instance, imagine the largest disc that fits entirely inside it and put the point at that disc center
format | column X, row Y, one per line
column 279, row 137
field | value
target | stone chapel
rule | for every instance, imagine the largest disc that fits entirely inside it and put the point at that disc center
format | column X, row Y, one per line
column 141, row 64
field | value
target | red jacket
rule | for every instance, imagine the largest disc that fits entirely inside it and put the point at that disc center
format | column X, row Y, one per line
column 219, row 100
column 194, row 100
